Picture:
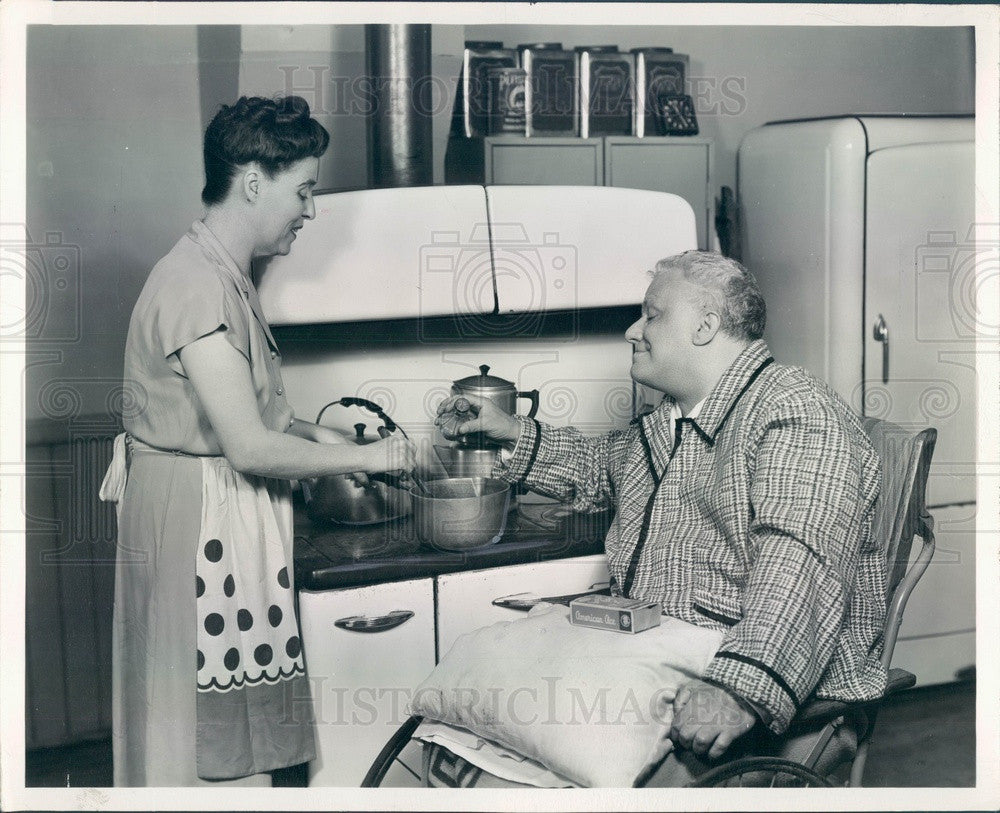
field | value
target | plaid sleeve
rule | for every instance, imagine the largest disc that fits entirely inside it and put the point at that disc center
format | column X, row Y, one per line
column 810, row 514
column 565, row 464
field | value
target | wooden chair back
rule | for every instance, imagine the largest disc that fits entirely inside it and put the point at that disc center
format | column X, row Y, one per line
column 901, row 514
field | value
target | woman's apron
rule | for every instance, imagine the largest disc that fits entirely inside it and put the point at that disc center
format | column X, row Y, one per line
column 253, row 708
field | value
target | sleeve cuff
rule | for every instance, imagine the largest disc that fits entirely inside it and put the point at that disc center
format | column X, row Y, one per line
column 514, row 467
column 763, row 689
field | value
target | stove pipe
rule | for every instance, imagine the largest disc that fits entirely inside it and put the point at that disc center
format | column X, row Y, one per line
column 398, row 61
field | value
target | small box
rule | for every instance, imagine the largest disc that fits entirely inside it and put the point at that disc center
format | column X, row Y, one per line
column 470, row 114
column 615, row 613
column 604, row 77
column 505, row 100
column 658, row 72
column 550, row 89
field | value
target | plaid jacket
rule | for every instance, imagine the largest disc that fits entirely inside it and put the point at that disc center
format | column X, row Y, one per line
column 757, row 523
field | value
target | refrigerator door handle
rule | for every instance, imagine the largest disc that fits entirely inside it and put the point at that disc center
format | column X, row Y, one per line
column 881, row 334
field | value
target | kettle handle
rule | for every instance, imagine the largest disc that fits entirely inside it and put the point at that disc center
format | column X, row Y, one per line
column 364, row 403
column 533, row 396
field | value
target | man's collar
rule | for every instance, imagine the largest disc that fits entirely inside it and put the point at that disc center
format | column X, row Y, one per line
column 731, row 387
column 710, row 414
column 676, row 413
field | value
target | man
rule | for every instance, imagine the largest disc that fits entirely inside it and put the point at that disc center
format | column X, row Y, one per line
column 743, row 503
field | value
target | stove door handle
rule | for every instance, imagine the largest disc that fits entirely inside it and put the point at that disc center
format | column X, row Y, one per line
column 523, row 602
column 382, row 623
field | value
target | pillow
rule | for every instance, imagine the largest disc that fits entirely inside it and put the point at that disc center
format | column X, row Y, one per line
column 592, row 705
column 487, row 756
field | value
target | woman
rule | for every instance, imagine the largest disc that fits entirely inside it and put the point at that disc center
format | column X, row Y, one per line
column 209, row 680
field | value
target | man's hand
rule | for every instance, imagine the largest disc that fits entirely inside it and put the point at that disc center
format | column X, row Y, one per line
column 707, row 719
column 487, row 418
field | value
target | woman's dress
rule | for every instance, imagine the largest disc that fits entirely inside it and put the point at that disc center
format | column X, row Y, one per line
column 209, row 679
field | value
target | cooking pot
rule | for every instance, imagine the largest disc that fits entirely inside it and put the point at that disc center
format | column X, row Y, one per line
column 461, row 513
column 340, row 498
column 500, row 391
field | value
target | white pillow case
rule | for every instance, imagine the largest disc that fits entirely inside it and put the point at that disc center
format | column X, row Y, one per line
column 592, row 705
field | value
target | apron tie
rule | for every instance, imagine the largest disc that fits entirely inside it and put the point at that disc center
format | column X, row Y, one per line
column 113, row 487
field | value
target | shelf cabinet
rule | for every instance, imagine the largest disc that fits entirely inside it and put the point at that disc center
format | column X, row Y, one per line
column 680, row 165
column 562, row 161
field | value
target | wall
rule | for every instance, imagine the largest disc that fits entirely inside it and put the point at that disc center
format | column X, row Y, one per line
column 326, row 66
column 114, row 177
column 218, row 67
column 745, row 77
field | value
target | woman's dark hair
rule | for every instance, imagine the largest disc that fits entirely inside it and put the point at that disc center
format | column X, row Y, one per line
column 273, row 132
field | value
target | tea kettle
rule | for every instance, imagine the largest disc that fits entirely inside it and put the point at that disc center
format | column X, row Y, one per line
column 500, row 391
column 340, row 498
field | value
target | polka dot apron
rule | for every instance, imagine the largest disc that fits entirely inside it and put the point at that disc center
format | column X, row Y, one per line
column 254, row 711
column 247, row 633
column 250, row 667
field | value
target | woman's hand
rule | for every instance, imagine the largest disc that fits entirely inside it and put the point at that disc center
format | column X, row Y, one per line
column 394, row 453
column 376, row 457
column 488, row 418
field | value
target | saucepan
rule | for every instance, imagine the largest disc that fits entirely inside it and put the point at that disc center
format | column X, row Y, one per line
column 460, row 513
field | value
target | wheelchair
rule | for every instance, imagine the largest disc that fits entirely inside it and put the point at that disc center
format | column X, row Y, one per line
column 900, row 516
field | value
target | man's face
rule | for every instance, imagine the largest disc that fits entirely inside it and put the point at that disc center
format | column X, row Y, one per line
column 662, row 337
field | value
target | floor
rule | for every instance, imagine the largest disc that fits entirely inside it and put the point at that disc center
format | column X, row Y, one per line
column 924, row 738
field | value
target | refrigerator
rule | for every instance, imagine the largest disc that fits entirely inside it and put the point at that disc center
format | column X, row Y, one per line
column 861, row 232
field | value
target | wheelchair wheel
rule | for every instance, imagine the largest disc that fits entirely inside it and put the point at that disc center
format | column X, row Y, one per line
column 761, row 772
column 390, row 751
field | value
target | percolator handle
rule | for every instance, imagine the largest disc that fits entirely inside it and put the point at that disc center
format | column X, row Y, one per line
column 533, row 396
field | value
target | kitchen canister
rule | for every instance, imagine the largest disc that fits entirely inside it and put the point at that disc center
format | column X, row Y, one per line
column 549, row 90
column 471, row 111
column 658, row 72
column 505, row 100
column 604, row 105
